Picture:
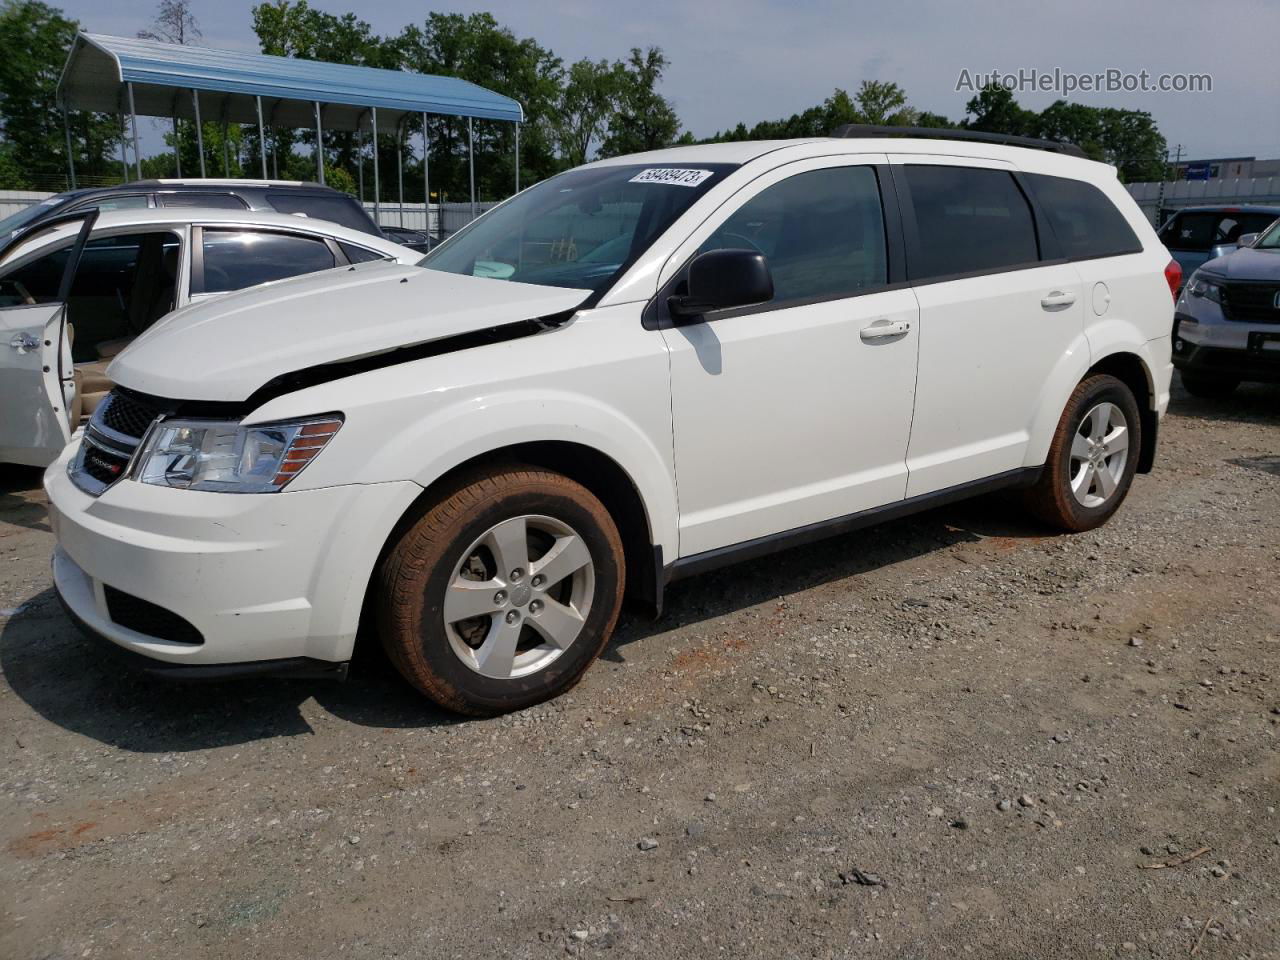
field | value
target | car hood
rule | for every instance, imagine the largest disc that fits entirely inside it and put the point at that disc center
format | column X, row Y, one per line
column 1246, row 264
column 227, row 348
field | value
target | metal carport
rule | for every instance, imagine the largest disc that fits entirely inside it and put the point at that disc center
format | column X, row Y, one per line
column 154, row 79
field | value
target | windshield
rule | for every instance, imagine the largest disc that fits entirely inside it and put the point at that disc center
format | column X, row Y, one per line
column 578, row 230
column 16, row 221
column 1269, row 240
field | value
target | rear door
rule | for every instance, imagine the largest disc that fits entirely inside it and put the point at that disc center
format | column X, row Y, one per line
column 996, row 314
column 36, row 377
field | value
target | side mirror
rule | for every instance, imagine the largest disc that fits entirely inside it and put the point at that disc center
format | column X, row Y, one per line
column 1246, row 240
column 722, row 279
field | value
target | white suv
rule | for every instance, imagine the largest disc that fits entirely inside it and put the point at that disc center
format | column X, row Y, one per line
column 632, row 372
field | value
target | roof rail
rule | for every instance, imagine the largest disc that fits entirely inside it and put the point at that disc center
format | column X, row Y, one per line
column 852, row 130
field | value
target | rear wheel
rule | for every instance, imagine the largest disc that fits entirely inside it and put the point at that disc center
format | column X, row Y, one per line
column 1207, row 386
column 503, row 591
column 1093, row 456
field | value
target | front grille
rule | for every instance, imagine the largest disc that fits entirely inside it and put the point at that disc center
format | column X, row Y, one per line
column 1250, row 302
column 102, row 464
column 143, row 616
column 128, row 413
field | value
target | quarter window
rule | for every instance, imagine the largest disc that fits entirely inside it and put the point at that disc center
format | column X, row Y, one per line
column 968, row 220
column 201, row 198
column 235, row 259
column 1084, row 220
column 822, row 233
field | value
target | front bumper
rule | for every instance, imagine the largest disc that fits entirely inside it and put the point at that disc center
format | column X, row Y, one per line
column 260, row 577
column 1231, row 351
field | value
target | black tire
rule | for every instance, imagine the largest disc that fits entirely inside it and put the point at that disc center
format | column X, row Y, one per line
column 414, row 577
column 1052, row 499
column 1207, row 386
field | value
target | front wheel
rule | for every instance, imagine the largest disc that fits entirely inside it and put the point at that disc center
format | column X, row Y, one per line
column 1093, row 456
column 503, row 592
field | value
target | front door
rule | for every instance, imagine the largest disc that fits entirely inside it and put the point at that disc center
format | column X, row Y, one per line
column 36, row 376
column 796, row 411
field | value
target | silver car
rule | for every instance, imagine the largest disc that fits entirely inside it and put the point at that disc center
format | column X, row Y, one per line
column 1226, row 328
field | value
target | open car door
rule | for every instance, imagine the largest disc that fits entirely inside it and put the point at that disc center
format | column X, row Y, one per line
column 37, row 381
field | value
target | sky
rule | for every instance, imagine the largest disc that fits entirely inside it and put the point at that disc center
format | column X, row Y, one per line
column 753, row 60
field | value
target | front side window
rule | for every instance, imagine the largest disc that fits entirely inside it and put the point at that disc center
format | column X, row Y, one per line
column 235, row 259
column 579, row 230
column 968, row 220
column 1084, row 220
column 131, row 201
column 822, row 233
column 122, row 285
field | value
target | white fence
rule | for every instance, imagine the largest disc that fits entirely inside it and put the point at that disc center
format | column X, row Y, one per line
column 11, row 201
column 1191, row 193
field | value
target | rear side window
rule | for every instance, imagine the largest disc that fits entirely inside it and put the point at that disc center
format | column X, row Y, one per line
column 235, row 259
column 968, row 220
column 197, row 198
column 360, row 254
column 336, row 208
column 1203, row 229
column 822, row 232
column 1085, row 222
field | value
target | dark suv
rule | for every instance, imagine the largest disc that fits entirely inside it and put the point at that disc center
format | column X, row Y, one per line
column 282, row 196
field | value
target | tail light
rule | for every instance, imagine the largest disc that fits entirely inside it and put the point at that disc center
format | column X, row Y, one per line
column 1173, row 276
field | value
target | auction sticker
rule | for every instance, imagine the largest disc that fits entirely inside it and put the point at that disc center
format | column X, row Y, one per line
column 672, row 175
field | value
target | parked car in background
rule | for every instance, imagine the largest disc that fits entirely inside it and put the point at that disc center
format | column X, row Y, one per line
column 70, row 303
column 265, row 196
column 413, row 239
column 1195, row 235
column 1227, row 325
column 635, row 371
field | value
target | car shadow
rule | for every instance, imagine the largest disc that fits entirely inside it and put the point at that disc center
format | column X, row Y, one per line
column 78, row 684
column 1248, row 403
column 15, row 508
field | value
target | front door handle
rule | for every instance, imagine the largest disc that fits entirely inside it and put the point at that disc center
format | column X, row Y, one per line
column 883, row 329
column 1057, row 300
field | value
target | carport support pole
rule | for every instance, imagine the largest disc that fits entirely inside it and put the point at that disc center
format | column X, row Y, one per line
column 360, row 161
column 177, row 144
column 71, row 160
column 471, row 163
column 319, row 147
column 262, row 139
column 426, row 176
column 377, row 186
column 517, row 156
column 124, row 161
column 133, row 122
column 195, row 102
column 400, row 166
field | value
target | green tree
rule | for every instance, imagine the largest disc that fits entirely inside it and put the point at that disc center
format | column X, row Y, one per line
column 882, row 102
column 587, row 104
column 35, row 38
column 994, row 110
column 645, row 119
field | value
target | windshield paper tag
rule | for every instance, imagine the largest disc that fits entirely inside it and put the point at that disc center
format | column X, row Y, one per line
column 671, row 175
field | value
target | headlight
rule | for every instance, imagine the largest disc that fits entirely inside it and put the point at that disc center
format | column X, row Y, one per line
column 226, row 457
column 1198, row 286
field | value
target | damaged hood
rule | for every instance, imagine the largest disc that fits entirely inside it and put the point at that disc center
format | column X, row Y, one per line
column 226, row 348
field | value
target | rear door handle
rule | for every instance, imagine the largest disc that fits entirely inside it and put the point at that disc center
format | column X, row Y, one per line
column 1057, row 300
column 883, row 329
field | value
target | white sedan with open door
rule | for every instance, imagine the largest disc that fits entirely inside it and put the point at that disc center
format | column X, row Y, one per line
column 77, row 290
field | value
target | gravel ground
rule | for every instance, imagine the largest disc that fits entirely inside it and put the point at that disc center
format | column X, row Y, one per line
column 948, row 735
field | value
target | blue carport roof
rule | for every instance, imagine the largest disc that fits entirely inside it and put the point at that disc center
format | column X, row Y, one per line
column 164, row 74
